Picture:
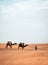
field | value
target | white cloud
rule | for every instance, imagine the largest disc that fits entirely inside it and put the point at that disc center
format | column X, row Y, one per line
column 44, row 5
column 28, row 16
column 23, row 6
column 23, row 10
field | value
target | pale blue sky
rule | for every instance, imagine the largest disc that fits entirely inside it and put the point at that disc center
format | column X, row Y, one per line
column 24, row 21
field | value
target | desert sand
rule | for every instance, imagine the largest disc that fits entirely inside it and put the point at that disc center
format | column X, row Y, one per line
column 27, row 56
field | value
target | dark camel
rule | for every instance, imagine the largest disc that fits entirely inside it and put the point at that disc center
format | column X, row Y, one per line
column 9, row 43
column 22, row 45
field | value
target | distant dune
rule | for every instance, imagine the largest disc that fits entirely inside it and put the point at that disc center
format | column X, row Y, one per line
column 27, row 56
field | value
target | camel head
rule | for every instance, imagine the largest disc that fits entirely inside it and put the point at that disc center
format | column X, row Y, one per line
column 26, row 45
column 15, row 43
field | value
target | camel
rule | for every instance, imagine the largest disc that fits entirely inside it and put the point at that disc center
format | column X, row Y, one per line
column 9, row 43
column 22, row 45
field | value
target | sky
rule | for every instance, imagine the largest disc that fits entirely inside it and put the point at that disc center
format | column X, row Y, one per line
column 24, row 21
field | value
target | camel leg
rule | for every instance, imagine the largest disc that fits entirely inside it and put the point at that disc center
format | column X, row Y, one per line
column 6, row 46
column 22, row 47
column 11, row 46
column 18, row 47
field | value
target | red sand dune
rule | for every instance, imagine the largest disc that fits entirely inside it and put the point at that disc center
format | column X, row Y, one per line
column 27, row 56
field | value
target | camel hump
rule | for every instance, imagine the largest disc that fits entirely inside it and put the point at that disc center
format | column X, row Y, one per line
column 21, row 44
column 9, row 41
